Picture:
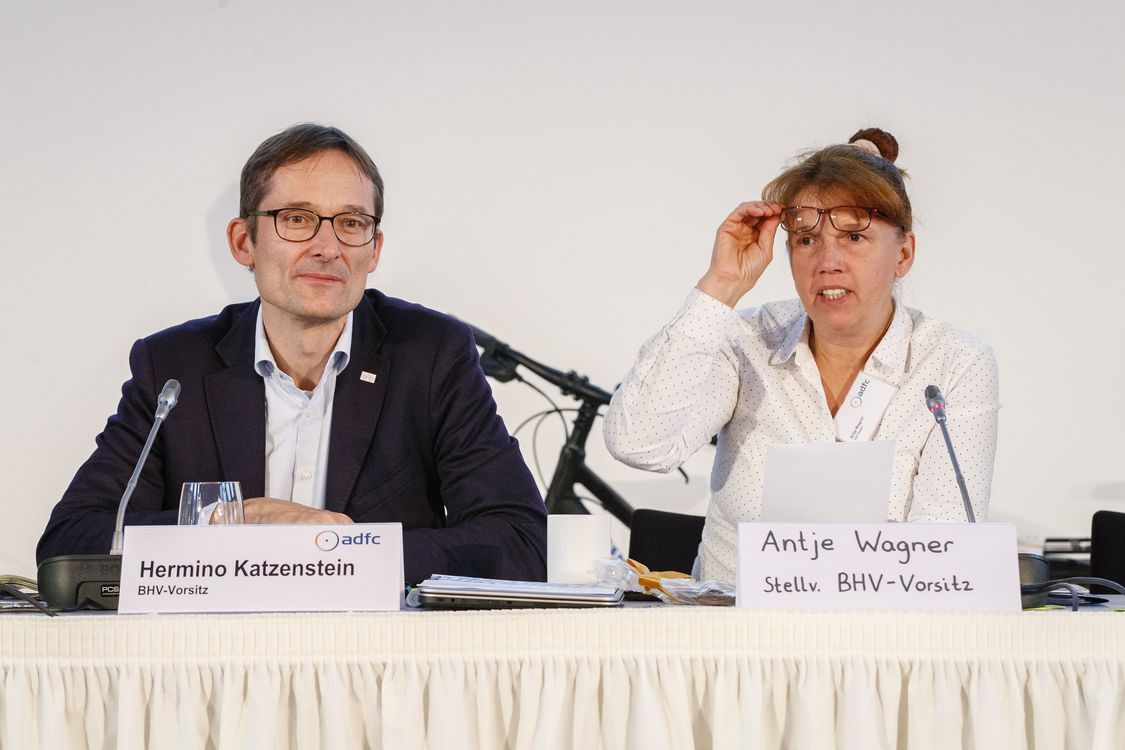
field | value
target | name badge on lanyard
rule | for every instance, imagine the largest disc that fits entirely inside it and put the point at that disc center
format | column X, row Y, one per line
column 859, row 416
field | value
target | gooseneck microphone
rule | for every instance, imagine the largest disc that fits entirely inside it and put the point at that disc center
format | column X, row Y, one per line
column 165, row 402
column 936, row 404
column 94, row 581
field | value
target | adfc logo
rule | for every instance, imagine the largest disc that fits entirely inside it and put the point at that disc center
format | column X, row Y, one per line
column 326, row 541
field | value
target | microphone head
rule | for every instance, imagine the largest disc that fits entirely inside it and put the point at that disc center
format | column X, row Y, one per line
column 167, row 398
column 935, row 402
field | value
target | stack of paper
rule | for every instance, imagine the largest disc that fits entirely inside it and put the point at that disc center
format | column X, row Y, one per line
column 460, row 592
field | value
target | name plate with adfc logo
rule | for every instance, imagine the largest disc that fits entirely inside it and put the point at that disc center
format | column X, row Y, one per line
column 300, row 568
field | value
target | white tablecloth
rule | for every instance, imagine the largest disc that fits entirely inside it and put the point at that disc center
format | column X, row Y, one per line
column 634, row 678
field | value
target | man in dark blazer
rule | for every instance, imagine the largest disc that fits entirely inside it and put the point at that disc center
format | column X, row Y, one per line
column 409, row 427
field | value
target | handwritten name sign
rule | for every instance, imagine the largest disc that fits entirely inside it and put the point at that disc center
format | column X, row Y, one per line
column 333, row 568
column 903, row 566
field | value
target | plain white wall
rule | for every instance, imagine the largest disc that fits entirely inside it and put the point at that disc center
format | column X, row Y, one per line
column 555, row 173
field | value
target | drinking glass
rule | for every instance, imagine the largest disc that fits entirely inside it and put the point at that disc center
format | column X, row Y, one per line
column 222, row 499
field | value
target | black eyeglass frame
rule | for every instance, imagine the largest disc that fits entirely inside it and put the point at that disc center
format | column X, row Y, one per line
column 820, row 212
column 320, row 220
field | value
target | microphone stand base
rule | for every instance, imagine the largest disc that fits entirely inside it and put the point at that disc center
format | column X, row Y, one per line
column 1033, row 570
column 81, row 581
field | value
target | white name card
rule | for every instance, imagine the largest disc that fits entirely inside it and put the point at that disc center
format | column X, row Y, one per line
column 901, row 566
column 859, row 416
column 299, row 568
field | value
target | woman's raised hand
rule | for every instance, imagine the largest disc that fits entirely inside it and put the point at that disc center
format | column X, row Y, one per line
column 743, row 249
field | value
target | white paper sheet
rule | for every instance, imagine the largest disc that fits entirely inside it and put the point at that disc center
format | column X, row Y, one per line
column 828, row 482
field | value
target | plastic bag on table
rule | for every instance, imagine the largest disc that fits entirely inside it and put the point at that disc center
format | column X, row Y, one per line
column 691, row 591
column 669, row 586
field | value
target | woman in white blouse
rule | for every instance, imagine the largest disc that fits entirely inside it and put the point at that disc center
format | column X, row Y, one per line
column 780, row 373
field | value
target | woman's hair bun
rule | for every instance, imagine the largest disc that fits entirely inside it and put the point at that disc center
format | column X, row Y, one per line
column 884, row 141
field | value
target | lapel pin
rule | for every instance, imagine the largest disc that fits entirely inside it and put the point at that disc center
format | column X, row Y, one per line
column 367, row 377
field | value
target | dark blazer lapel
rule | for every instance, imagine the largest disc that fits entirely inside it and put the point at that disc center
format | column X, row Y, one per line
column 236, row 401
column 356, row 405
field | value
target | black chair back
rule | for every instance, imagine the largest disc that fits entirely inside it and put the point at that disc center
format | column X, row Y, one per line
column 1107, row 546
column 665, row 541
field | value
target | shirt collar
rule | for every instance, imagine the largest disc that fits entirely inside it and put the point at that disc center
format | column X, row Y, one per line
column 889, row 356
column 795, row 333
column 265, row 365
column 891, row 353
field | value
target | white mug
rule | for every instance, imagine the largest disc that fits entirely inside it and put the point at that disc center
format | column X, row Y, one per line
column 574, row 543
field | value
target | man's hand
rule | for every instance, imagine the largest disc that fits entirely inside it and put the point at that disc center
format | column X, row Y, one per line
column 743, row 249
column 271, row 510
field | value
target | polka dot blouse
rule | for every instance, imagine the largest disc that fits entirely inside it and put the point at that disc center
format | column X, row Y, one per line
column 749, row 377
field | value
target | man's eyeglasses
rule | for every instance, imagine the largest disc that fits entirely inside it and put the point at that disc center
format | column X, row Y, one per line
column 796, row 219
column 297, row 225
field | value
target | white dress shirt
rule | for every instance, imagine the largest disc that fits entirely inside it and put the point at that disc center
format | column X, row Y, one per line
column 298, row 423
column 750, row 377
